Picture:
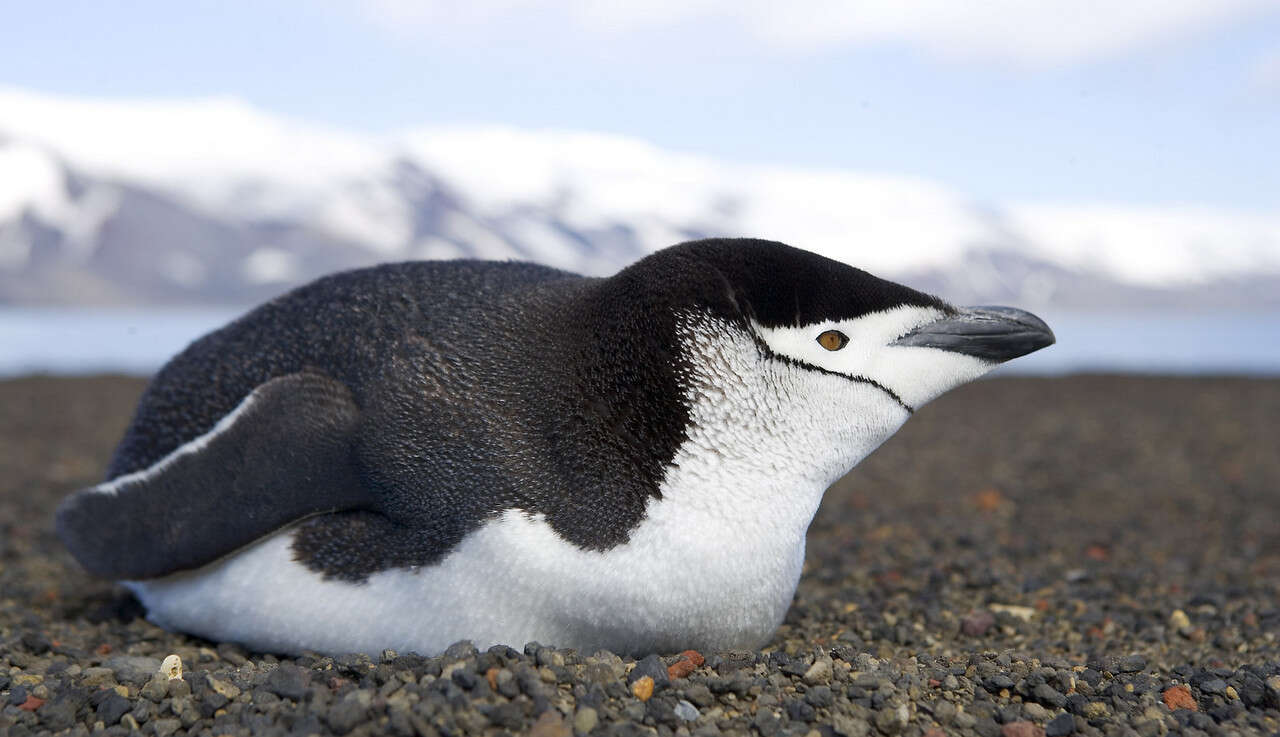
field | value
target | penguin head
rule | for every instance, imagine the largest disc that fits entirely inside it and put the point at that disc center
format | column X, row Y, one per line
column 790, row 352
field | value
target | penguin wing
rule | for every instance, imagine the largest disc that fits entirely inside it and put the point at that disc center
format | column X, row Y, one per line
column 283, row 454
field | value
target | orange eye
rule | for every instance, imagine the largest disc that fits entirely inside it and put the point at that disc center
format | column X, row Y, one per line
column 833, row 340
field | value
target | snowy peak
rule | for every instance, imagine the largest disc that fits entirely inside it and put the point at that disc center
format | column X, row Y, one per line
column 212, row 200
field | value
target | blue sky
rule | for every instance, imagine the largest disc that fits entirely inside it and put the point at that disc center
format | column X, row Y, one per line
column 1177, row 102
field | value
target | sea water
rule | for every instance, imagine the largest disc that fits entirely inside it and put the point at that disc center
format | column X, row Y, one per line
column 77, row 341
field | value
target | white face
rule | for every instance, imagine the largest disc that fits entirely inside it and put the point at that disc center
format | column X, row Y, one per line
column 863, row 349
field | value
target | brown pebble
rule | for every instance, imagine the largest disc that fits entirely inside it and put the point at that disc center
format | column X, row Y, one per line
column 1097, row 552
column 103, row 649
column 680, row 668
column 694, row 657
column 1179, row 697
column 491, row 676
column 989, row 499
column 643, row 688
column 549, row 724
column 977, row 622
column 1021, row 729
column 31, row 704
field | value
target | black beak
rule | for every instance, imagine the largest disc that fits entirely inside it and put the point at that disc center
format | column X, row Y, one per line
column 994, row 334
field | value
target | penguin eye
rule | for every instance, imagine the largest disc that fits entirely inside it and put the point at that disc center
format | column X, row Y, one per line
column 833, row 340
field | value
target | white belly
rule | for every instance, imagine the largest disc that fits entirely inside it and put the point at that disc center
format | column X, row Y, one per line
column 512, row 581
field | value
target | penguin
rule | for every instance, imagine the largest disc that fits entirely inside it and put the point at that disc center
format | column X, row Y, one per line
column 414, row 454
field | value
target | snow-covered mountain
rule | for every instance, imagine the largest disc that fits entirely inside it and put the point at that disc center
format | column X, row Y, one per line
column 213, row 201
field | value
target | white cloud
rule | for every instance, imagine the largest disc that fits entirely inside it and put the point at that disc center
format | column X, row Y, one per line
column 1045, row 32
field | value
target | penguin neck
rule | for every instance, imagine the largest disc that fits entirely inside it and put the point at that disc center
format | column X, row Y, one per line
column 766, row 438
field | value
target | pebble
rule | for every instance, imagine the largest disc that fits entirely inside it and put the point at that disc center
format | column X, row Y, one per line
column 550, row 724
column 171, row 667
column 1060, row 726
column 133, row 669
column 1096, row 710
column 893, row 632
column 652, row 668
column 819, row 672
column 976, row 623
column 642, row 688
column 1021, row 729
column 585, row 719
column 1132, row 663
column 686, row 711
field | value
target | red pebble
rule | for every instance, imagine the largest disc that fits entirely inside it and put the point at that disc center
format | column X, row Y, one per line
column 1021, row 729
column 680, row 668
column 1179, row 697
column 31, row 704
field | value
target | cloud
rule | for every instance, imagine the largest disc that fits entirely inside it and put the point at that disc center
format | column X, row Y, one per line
column 1045, row 33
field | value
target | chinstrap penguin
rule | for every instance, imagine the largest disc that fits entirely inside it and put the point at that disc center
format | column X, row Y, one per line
column 419, row 453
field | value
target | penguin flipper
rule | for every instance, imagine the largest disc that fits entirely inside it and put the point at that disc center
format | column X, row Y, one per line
column 283, row 454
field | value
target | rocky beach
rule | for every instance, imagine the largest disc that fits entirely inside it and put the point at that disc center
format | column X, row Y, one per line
column 1092, row 555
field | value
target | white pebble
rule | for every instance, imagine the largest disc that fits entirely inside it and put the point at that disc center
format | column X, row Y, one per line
column 171, row 668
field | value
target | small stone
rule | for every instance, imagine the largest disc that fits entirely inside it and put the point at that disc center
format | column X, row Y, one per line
column 642, row 688
column 222, row 688
column 819, row 672
column 685, row 711
column 1095, row 710
column 156, row 689
column 1179, row 697
column 1021, row 729
column 977, row 622
column 550, row 724
column 343, row 716
column 1025, row 613
column 171, row 667
column 680, row 669
column 819, row 696
column 1232, row 694
column 892, row 720
column 133, row 669
column 1179, row 620
column 112, row 708
column 1273, row 683
column 166, row 727
column 1046, row 694
column 1132, row 663
column 176, row 688
column 98, row 676
column 694, row 657
column 1035, row 712
column 31, row 703
column 288, row 682
column 585, row 720
column 1214, row 686
column 652, row 667
column 1060, row 726
column 849, row 726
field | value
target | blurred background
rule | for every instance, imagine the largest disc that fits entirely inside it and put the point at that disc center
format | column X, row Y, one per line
column 1113, row 167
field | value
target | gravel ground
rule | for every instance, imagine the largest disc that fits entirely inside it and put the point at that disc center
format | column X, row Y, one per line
column 1089, row 555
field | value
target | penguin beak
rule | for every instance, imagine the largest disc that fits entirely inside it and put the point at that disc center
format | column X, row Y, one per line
column 994, row 334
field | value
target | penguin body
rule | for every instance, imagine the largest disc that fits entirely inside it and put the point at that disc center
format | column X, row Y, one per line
column 415, row 454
